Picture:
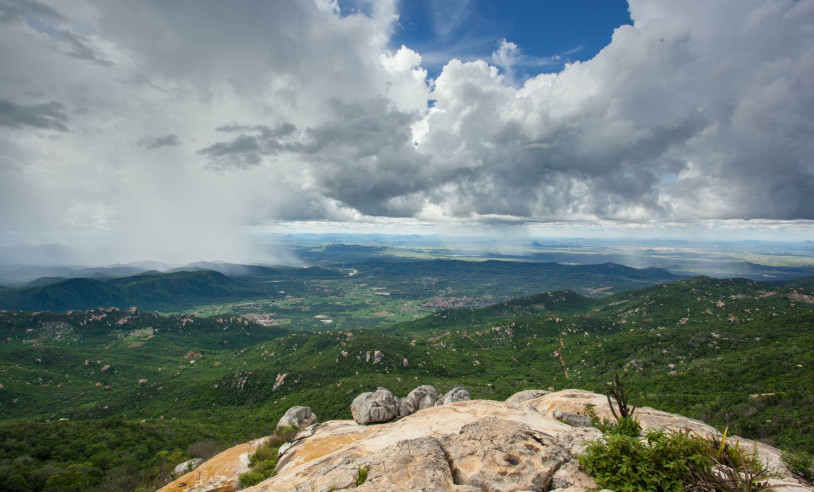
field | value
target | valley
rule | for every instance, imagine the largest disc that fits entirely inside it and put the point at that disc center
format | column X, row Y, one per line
column 733, row 352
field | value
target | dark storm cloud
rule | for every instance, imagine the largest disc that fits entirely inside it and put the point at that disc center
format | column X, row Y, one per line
column 151, row 143
column 253, row 143
column 362, row 156
column 50, row 115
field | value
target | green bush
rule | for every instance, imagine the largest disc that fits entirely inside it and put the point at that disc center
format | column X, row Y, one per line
column 263, row 462
column 361, row 475
column 625, row 426
column 661, row 461
column 673, row 461
column 801, row 464
column 251, row 478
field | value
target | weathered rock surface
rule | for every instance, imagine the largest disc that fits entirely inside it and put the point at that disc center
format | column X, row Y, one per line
column 404, row 454
column 420, row 398
column 218, row 473
column 464, row 446
column 299, row 416
column 524, row 396
column 375, row 407
column 499, row 454
column 187, row 466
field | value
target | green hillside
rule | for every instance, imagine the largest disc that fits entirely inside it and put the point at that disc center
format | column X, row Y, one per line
column 349, row 294
column 731, row 352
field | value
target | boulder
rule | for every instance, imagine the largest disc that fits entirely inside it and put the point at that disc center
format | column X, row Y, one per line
column 375, row 407
column 457, row 393
column 420, row 398
column 299, row 416
column 187, row 466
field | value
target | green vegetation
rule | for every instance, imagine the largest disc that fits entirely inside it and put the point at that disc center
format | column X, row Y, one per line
column 661, row 462
column 801, row 464
column 360, row 294
column 263, row 462
column 733, row 353
column 361, row 475
column 665, row 461
column 671, row 461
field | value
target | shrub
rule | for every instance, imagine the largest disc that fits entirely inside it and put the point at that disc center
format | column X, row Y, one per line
column 659, row 462
column 626, row 426
column 263, row 462
column 668, row 461
column 251, row 478
column 361, row 475
column 801, row 464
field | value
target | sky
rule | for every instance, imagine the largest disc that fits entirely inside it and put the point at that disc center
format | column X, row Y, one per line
column 178, row 131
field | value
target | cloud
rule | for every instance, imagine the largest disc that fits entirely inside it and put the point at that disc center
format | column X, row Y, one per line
column 49, row 115
column 75, row 47
column 270, row 111
column 670, row 121
column 151, row 143
column 17, row 10
column 251, row 145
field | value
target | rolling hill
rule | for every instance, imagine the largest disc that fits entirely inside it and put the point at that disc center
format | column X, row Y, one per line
column 732, row 352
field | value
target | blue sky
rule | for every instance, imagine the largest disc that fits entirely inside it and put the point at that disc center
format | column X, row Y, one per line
column 550, row 33
column 175, row 130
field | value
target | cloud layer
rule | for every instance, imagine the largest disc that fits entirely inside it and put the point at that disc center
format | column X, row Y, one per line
column 182, row 122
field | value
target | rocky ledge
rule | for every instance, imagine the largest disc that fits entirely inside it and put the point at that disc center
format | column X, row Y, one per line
column 529, row 442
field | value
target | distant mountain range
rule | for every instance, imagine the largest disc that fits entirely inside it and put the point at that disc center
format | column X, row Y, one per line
column 206, row 283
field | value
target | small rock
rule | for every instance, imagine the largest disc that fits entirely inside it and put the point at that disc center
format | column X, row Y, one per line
column 186, row 467
column 285, row 447
column 299, row 416
column 278, row 381
column 572, row 419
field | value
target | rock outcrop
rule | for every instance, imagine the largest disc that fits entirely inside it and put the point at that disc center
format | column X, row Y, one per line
column 422, row 397
column 375, row 407
column 457, row 393
column 465, row 446
column 298, row 416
